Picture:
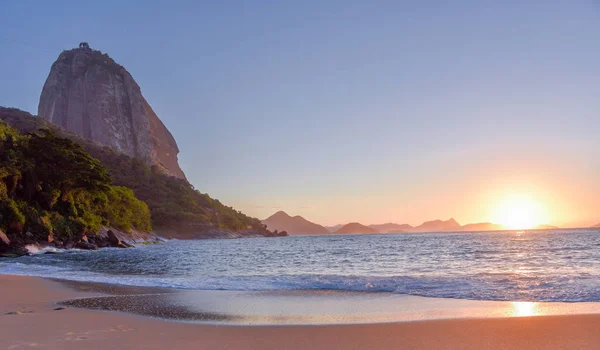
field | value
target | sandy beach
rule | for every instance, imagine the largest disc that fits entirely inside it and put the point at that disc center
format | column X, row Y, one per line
column 30, row 317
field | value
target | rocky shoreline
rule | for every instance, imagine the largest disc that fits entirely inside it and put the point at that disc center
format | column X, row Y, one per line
column 24, row 244
column 12, row 246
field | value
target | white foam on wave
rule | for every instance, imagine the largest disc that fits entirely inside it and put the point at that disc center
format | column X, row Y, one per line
column 389, row 284
column 35, row 249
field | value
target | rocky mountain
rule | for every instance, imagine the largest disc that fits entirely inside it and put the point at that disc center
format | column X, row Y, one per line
column 295, row 225
column 438, row 226
column 392, row 228
column 355, row 227
column 89, row 94
column 482, row 226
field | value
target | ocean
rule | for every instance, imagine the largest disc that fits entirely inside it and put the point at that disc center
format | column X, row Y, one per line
column 553, row 265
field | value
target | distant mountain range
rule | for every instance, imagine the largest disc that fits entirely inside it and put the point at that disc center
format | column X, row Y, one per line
column 438, row 226
column 355, row 227
column 295, row 225
column 596, row 226
column 281, row 221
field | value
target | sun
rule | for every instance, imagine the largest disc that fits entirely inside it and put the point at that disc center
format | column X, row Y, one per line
column 519, row 212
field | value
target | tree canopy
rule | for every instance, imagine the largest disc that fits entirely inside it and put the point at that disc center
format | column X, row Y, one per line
column 50, row 185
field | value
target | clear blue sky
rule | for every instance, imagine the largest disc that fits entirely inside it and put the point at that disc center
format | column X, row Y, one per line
column 341, row 111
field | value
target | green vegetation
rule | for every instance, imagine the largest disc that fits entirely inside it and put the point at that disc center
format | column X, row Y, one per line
column 174, row 204
column 50, row 186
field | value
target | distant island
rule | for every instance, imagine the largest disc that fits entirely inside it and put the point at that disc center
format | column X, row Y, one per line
column 392, row 227
column 298, row 225
column 355, row 227
column 438, row 226
column 281, row 221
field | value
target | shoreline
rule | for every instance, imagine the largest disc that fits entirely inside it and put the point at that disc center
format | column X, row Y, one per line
column 304, row 307
column 293, row 307
column 39, row 321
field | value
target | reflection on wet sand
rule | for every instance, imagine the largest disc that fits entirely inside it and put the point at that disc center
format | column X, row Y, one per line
column 525, row 308
column 307, row 307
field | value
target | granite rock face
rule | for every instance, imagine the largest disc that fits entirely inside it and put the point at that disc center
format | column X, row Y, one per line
column 89, row 94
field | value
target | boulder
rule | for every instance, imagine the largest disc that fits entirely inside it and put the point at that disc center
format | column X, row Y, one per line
column 4, row 241
column 69, row 244
column 113, row 239
column 124, row 245
column 86, row 246
column 102, row 242
column 10, row 251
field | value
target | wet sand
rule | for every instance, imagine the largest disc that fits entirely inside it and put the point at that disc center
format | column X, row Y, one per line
column 31, row 317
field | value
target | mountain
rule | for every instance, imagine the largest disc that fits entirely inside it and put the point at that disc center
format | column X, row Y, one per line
column 334, row 228
column 355, row 227
column 281, row 221
column 482, row 226
column 391, row 228
column 438, row 226
column 596, row 226
column 89, row 94
column 545, row 227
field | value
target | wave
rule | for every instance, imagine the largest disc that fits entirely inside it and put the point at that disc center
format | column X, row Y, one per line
column 36, row 249
column 507, row 287
column 558, row 267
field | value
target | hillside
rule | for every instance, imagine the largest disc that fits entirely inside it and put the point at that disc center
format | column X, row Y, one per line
column 355, row 227
column 177, row 209
column 281, row 221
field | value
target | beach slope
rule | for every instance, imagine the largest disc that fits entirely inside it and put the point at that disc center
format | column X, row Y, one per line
column 28, row 319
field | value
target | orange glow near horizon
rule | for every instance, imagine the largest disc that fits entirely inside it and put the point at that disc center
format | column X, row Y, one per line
column 520, row 212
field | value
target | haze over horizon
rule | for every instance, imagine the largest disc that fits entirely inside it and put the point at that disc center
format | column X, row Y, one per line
column 352, row 112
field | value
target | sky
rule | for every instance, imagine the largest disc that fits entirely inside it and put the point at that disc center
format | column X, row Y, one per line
column 339, row 111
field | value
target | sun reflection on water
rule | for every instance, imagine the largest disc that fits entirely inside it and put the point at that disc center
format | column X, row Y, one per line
column 524, row 308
